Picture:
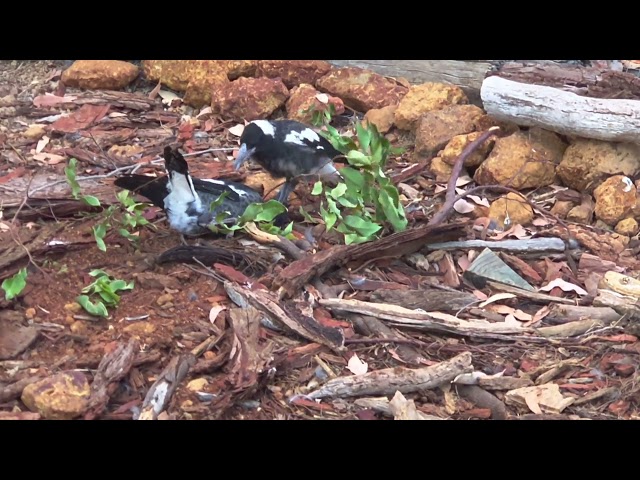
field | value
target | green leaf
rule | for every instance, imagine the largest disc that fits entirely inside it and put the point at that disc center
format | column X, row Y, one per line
column 364, row 227
column 98, row 273
column 125, row 233
column 346, row 202
column 358, row 159
column 14, row 285
column 317, row 188
column 218, row 201
column 353, row 176
column 91, row 200
column 117, row 285
column 262, row 212
column 338, row 191
column 70, row 173
column 393, row 210
column 364, row 136
column 99, row 232
column 98, row 309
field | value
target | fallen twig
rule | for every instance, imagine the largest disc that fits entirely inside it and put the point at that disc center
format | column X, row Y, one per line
column 113, row 368
column 390, row 380
column 450, row 199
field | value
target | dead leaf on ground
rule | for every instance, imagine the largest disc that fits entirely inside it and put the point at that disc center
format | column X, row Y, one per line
column 48, row 100
column 462, row 206
column 564, row 285
column 237, row 130
column 403, row 409
column 357, row 366
column 86, row 116
column 540, row 398
column 497, row 297
column 215, row 311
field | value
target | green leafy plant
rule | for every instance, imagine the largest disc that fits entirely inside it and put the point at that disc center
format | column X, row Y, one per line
column 261, row 214
column 128, row 214
column 366, row 201
column 106, row 287
column 320, row 116
column 14, row 285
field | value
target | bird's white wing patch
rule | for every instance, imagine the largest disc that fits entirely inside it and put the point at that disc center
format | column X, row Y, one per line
column 266, row 127
column 299, row 137
column 240, row 192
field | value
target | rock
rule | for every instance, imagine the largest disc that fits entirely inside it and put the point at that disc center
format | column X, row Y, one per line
column 628, row 227
column 73, row 307
column 34, row 132
column 100, row 74
column 582, row 213
column 549, row 142
column 197, row 384
column 166, row 298
column 304, row 97
column 518, row 161
column 436, row 128
column 239, row 68
column 294, row 72
column 140, row 329
column 30, row 313
column 587, row 163
column 362, row 89
column 458, row 143
column 441, row 170
column 196, row 78
column 157, row 281
column 513, row 206
column 62, row 396
column 424, row 98
column 78, row 328
column 382, row 118
column 249, row 98
column 561, row 208
column 615, row 199
column 485, row 122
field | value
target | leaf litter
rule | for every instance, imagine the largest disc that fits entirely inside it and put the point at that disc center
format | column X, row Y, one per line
column 199, row 354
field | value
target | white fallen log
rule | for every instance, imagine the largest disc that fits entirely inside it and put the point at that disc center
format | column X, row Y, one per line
column 562, row 112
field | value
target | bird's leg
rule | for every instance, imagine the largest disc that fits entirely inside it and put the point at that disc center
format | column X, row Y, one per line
column 285, row 191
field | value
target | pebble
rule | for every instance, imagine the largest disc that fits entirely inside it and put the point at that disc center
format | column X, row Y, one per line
column 73, row 307
column 34, row 132
column 30, row 313
column 78, row 328
column 163, row 299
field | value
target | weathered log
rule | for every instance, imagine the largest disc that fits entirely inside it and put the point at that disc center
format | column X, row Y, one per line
column 562, row 112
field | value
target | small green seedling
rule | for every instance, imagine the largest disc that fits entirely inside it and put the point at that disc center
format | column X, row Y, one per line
column 106, row 288
column 14, row 285
column 261, row 214
column 128, row 214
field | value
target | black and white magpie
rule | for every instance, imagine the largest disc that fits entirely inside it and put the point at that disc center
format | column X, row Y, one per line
column 287, row 148
column 186, row 200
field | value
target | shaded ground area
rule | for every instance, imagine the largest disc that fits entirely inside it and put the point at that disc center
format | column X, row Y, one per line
column 179, row 314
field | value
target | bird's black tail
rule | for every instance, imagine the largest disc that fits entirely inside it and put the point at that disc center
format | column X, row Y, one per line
column 152, row 188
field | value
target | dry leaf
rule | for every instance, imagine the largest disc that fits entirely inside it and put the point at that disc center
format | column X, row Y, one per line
column 479, row 295
column 323, row 98
column 168, row 97
column 403, row 409
column 463, row 180
column 522, row 316
column 357, row 366
column 480, row 201
column 497, row 297
column 237, row 130
column 462, row 206
column 116, row 115
column 501, row 309
column 564, row 285
column 464, row 263
column 215, row 311
column 50, row 158
column 42, row 143
column 541, row 222
column 156, row 90
column 517, row 231
column 49, row 100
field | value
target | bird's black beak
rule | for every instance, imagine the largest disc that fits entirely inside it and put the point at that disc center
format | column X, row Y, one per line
column 243, row 155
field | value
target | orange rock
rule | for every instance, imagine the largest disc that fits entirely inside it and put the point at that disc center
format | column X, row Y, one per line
column 100, row 74
column 293, row 72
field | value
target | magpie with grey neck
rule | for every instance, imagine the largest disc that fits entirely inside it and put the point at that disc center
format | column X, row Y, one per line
column 186, row 200
column 286, row 148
